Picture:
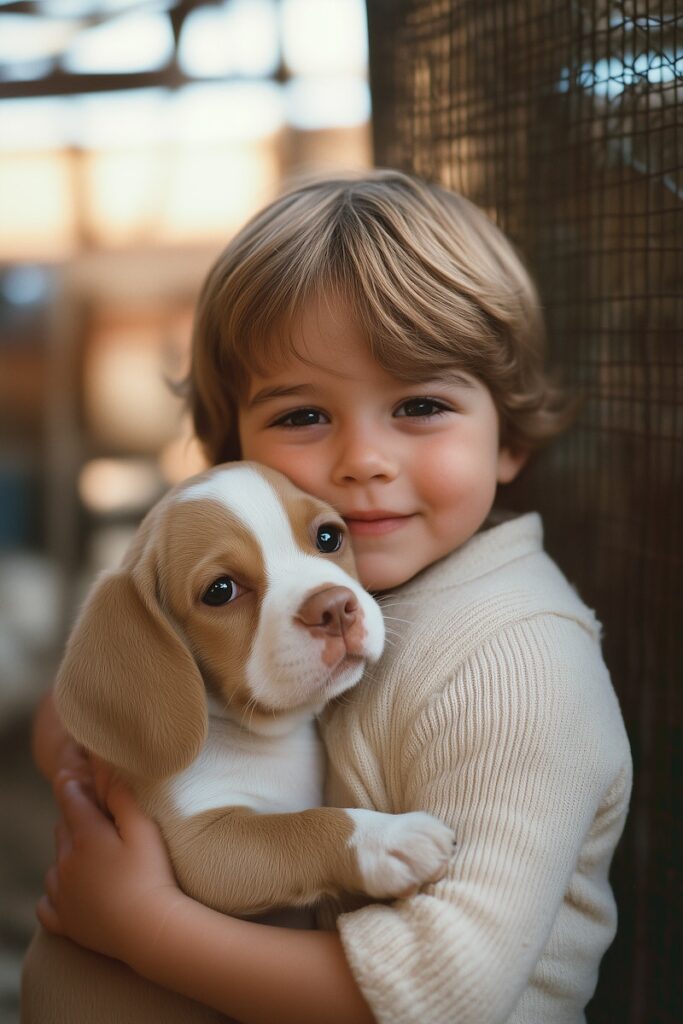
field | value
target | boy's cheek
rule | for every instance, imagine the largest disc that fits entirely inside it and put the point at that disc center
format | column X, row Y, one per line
column 296, row 462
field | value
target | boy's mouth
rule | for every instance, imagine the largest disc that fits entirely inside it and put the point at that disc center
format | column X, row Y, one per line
column 373, row 524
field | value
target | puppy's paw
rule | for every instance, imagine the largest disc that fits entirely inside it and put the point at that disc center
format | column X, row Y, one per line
column 397, row 853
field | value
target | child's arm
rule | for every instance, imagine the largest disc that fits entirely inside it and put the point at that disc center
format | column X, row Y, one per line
column 518, row 749
column 113, row 890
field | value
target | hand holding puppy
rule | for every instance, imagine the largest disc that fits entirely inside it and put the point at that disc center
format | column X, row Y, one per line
column 112, row 887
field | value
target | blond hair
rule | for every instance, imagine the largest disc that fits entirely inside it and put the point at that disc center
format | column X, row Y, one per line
column 433, row 284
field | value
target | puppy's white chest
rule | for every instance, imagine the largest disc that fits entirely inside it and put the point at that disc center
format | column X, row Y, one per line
column 269, row 774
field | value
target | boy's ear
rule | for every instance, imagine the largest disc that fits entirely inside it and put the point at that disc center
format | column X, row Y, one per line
column 510, row 462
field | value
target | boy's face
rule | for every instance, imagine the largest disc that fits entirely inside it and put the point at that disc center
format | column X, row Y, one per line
column 412, row 468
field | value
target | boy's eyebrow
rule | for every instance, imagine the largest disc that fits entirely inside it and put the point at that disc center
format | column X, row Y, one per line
column 452, row 378
column 296, row 390
column 277, row 391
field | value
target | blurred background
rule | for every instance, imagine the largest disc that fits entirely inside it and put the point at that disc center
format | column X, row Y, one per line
column 135, row 137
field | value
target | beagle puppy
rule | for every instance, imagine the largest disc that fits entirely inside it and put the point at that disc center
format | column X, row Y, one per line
column 197, row 670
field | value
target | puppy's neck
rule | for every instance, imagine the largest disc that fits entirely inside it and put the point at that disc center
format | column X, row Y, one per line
column 278, row 724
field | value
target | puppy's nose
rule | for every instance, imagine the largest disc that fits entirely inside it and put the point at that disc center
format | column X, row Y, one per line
column 331, row 611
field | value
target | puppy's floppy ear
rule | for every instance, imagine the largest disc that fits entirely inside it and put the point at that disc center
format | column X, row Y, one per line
column 128, row 688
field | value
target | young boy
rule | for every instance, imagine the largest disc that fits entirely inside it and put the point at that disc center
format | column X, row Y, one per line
column 378, row 340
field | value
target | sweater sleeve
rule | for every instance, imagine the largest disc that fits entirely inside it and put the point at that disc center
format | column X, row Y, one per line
column 508, row 752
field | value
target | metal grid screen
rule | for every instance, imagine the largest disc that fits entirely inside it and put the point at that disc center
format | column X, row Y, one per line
column 561, row 119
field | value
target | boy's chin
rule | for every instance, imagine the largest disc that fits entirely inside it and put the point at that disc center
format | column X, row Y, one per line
column 376, row 576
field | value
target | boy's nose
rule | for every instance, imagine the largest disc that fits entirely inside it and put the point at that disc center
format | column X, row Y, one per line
column 362, row 459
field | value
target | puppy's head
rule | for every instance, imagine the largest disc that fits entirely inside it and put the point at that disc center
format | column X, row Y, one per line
column 237, row 585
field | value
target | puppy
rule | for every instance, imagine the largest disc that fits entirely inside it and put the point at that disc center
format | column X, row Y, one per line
column 197, row 670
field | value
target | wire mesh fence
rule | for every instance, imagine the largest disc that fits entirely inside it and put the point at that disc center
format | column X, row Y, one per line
column 563, row 119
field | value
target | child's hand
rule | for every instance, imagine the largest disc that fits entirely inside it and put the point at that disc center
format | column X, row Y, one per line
column 112, row 887
column 54, row 750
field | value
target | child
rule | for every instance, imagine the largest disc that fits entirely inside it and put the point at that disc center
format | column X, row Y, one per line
column 378, row 340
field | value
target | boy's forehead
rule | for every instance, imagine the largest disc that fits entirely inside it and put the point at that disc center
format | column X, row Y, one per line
column 297, row 376
column 283, row 350
column 290, row 370
column 325, row 339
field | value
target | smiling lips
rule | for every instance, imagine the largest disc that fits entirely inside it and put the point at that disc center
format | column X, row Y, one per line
column 374, row 524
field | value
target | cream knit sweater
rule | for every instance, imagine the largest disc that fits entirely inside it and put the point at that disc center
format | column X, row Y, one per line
column 492, row 709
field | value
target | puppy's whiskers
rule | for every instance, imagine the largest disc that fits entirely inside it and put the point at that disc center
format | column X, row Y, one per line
column 249, row 709
column 385, row 602
column 395, row 618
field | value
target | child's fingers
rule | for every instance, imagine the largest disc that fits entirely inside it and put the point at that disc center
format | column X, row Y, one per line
column 128, row 816
column 47, row 915
column 51, row 883
column 77, row 807
column 83, row 775
column 62, row 839
column 98, row 765
column 102, row 777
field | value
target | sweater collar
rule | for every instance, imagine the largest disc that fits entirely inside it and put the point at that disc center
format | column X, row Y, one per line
column 486, row 551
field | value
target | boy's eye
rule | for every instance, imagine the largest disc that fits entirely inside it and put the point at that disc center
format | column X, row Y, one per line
column 300, row 418
column 421, row 407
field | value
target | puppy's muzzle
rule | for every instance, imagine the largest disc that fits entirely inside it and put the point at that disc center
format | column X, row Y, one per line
column 329, row 612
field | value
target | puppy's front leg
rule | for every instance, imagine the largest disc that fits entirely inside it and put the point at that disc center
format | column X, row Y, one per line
column 240, row 862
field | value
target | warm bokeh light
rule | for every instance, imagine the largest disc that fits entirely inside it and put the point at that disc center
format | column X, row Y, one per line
column 129, row 405
column 212, row 191
column 186, row 165
column 120, row 195
column 37, row 212
column 119, row 485
column 42, row 123
column 182, row 457
column 238, row 38
column 327, row 102
column 226, row 112
column 324, row 37
column 140, row 41
column 131, row 117
column 120, row 191
column 24, row 40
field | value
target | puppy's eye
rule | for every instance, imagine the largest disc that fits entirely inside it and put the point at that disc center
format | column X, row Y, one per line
column 329, row 538
column 222, row 591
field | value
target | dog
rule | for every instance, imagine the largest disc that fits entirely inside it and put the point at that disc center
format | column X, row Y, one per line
column 197, row 669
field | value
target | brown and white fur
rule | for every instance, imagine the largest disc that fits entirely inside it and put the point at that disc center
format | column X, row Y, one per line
column 209, row 713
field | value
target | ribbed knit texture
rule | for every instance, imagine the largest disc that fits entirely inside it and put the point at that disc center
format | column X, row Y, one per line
column 493, row 710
